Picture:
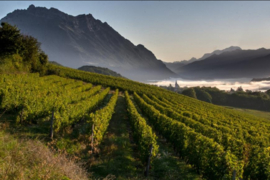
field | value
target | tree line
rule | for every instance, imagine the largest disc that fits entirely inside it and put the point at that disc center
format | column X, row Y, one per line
column 240, row 98
column 20, row 53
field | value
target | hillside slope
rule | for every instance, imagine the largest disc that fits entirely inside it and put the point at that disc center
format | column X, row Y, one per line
column 177, row 64
column 80, row 40
column 100, row 70
column 206, row 136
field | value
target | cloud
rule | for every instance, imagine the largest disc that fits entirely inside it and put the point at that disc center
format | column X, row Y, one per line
column 225, row 84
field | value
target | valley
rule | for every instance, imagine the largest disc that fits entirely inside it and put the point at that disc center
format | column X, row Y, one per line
column 80, row 101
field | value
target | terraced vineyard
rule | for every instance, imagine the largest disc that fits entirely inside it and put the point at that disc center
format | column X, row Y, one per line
column 209, row 141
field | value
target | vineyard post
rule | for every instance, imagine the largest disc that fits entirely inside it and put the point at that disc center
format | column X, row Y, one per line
column 81, row 120
column 51, row 133
column 234, row 175
column 149, row 159
column 21, row 118
column 92, row 140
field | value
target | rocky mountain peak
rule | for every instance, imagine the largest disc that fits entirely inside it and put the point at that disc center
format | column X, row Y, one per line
column 31, row 7
column 80, row 40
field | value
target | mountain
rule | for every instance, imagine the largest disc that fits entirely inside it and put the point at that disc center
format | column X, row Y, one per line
column 80, row 40
column 177, row 64
column 231, row 64
column 260, row 79
column 100, row 70
column 218, row 52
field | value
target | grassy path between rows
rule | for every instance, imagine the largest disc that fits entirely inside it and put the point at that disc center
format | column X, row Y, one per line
column 116, row 157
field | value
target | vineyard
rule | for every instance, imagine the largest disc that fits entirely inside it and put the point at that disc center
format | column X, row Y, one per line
column 144, row 122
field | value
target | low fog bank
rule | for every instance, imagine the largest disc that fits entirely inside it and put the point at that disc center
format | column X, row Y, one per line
column 222, row 84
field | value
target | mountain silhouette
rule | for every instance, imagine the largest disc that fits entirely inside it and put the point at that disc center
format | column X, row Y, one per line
column 177, row 64
column 231, row 64
column 80, row 40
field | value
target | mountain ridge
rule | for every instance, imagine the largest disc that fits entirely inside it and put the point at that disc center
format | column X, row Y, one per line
column 177, row 64
column 100, row 70
column 75, row 41
column 233, row 64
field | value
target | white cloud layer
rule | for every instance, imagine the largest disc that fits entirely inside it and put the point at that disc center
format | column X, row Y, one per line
column 224, row 84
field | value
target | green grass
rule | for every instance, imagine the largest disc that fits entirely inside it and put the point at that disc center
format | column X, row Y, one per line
column 260, row 114
column 116, row 156
column 168, row 166
column 31, row 159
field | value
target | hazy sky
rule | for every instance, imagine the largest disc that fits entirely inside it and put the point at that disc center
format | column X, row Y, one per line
column 174, row 30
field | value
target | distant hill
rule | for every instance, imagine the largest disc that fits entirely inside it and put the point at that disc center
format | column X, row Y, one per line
column 232, row 64
column 218, row 52
column 178, row 64
column 55, row 63
column 100, row 70
column 75, row 41
column 261, row 79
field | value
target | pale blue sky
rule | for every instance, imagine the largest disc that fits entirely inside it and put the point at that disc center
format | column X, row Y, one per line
column 174, row 30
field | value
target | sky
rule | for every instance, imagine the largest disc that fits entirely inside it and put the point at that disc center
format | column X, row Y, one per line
column 174, row 30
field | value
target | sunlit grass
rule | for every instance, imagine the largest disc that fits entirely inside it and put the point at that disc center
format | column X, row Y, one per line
column 261, row 114
column 29, row 159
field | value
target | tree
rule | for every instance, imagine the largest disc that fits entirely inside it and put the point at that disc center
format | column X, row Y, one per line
column 31, row 49
column 190, row 92
column 170, row 88
column 240, row 89
column 203, row 95
column 10, row 40
column 268, row 92
column 27, row 47
column 43, row 61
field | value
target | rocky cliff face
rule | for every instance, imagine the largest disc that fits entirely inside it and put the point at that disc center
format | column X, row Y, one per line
column 84, row 40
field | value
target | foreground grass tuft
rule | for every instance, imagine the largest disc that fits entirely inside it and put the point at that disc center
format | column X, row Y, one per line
column 28, row 159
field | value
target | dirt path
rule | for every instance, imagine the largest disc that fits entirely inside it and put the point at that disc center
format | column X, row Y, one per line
column 116, row 151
